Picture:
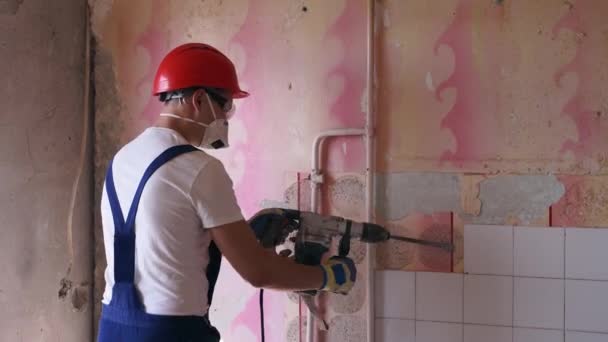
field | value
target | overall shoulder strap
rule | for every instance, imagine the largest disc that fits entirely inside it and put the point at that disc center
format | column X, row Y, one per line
column 163, row 158
column 124, row 233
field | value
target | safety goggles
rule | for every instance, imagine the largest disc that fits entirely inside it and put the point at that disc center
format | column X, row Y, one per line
column 227, row 105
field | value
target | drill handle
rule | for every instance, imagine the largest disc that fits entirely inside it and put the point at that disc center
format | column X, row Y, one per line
column 344, row 247
column 309, row 253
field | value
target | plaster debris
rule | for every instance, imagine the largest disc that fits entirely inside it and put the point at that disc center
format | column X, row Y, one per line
column 347, row 197
column 400, row 194
column 433, row 258
column 386, row 18
column 526, row 198
column 351, row 303
column 523, row 197
column 10, row 7
column 65, row 286
column 80, row 297
column 298, row 195
column 429, row 81
column 469, row 196
column 395, row 254
column 293, row 329
column 347, row 328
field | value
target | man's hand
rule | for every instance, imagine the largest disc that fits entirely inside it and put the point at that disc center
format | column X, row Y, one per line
column 262, row 267
column 340, row 275
column 271, row 224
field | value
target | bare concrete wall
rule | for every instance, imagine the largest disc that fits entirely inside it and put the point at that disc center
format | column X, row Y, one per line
column 45, row 173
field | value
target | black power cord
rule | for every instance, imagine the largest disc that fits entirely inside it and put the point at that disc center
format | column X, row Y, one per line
column 262, row 315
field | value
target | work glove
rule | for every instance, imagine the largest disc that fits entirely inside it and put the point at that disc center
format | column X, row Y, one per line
column 339, row 275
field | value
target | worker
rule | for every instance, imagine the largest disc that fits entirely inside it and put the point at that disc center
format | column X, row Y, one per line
column 169, row 212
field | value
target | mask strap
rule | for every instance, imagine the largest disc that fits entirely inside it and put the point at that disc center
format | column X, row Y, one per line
column 211, row 106
column 183, row 118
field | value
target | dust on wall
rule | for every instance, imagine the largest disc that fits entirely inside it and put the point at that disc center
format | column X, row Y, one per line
column 487, row 113
column 10, row 7
column 45, row 168
column 488, row 87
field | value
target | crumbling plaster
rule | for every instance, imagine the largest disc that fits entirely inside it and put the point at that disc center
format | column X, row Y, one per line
column 487, row 113
column 46, row 168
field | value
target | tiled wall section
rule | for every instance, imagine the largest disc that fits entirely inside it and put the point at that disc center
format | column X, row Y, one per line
column 520, row 285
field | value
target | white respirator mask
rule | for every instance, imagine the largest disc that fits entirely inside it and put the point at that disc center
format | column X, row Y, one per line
column 216, row 132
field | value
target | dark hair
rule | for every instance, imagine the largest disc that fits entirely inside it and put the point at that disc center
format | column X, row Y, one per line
column 177, row 94
column 183, row 93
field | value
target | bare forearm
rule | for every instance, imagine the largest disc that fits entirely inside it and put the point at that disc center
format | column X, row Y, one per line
column 262, row 267
column 284, row 274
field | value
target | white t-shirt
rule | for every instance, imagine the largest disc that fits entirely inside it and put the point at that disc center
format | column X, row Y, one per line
column 182, row 198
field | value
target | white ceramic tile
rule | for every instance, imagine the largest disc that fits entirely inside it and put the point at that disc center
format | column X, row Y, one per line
column 485, row 333
column 488, row 250
column 586, row 253
column 573, row 336
column 395, row 330
column 395, row 294
column 488, row 300
column 587, row 305
column 439, row 297
column 538, row 252
column 438, row 332
column 539, row 303
column 537, row 335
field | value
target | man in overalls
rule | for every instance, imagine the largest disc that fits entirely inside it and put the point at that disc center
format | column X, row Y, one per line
column 169, row 212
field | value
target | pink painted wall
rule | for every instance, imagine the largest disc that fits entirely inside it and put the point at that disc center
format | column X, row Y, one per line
column 476, row 89
column 304, row 64
column 479, row 86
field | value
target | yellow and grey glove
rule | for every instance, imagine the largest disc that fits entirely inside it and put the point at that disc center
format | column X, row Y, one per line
column 339, row 275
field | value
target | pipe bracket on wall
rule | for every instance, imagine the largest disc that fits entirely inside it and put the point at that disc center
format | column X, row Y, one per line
column 317, row 177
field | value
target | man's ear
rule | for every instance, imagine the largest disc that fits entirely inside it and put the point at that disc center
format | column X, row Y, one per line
column 197, row 99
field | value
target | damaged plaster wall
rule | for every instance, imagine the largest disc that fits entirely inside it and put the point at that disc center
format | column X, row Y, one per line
column 524, row 198
column 488, row 112
column 46, row 168
column 286, row 110
column 493, row 87
column 108, row 129
column 497, row 116
column 10, row 7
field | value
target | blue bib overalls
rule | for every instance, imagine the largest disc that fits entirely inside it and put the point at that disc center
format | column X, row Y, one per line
column 124, row 318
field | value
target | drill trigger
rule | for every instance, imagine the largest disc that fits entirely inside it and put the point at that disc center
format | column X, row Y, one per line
column 344, row 247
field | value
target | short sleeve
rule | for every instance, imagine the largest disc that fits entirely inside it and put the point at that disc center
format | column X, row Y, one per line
column 213, row 196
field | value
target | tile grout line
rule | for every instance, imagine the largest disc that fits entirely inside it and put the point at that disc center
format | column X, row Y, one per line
column 589, row 332
column 493, row 325
column 564, row 275
column 537, row 277
column 501, row 326
column 463, row 303
column 464, row 261
column 415, row 303
column 498, row 325
column 513, row 283
column 452, row 241
column 564, row 278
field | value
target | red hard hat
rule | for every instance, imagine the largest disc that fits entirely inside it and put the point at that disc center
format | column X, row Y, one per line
column 196, row 65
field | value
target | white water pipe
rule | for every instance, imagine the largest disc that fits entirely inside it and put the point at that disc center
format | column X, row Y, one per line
column 316, row 176
column 370, row 156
